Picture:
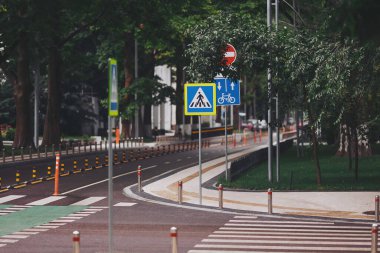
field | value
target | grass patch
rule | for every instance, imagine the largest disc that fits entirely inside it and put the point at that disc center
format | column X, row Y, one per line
column 299, row 173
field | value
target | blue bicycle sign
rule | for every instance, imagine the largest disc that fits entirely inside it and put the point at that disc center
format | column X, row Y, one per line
column 227, row 91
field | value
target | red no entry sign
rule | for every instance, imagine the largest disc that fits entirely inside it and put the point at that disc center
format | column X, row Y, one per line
column 229, row 55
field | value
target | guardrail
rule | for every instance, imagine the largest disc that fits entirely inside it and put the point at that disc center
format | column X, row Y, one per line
column 65, row 148
column 127, row 155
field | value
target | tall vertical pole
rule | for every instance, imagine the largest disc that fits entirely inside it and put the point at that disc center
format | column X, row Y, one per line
column 110, row 184
column 36, row 102
column 270, row 136
column 136, row 76
column 226, row 142
column 277, row 121
column 200, row 160
column 277, row 144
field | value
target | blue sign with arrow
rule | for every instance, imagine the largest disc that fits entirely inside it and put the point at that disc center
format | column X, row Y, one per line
column 227, row 91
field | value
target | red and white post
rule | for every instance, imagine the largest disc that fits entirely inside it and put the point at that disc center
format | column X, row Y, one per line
column 374, row 234
column 377, row 218
column 270, row 207
column 173, row 235
column 139, row 178
column 76, row 242
column 220, row 189
column 56, row 178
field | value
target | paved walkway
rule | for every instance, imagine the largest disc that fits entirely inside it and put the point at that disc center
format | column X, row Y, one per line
column 322, row 204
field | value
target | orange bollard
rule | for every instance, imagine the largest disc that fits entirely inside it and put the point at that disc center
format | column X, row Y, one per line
column 254, row 136
column 260, row 136
column 117, row 133
column 56, row 181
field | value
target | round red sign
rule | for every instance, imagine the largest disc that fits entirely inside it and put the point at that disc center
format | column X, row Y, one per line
column 229, row 55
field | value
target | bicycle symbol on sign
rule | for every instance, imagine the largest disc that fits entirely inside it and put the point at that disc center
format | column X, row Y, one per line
column 227, row 98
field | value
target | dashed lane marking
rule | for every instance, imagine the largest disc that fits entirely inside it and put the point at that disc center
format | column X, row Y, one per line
column 45, row 201
column 88, row 201
column 10, row 198
column 125, row 204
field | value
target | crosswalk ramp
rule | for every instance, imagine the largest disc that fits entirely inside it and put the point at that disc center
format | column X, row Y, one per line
column 244, row 234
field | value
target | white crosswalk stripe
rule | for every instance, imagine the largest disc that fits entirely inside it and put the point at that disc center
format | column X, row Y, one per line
column 247, row 234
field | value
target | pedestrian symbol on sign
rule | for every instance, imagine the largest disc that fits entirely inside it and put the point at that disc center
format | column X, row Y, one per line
column 200, row 100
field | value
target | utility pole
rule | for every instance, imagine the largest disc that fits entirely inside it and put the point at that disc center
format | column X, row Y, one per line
column 269, row 79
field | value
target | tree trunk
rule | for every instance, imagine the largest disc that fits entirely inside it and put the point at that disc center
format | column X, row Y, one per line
column 52, row 130
column 22, row 94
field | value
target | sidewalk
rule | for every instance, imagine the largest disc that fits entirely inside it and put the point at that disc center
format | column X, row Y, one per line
column 349, row 205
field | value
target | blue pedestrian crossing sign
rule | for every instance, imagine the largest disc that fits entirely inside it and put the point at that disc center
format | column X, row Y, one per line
column 227, row 91
column 200, row 99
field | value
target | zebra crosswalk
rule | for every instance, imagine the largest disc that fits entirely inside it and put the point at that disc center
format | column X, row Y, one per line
column 22, row 216
column 247, row 234
column 20, row 202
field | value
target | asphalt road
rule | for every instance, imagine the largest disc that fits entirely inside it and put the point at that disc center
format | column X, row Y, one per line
column 32, row 220
column 139, row 227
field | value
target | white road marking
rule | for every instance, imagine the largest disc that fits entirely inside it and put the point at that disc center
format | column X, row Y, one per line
column 283, row 222
column 79, row 214
column 275, row 234
column 52, row 223
column 2, row 245
column 280, row 247
column 88, row 201
column 46, row 226
column 106, row 180
column 275, row 237
column 36, row 229
column 125, row 204
column 309, row 242
column 10, row 198
column 245, row 217
column 296, row 226
column 62, row 220
column 8, row 241
column 76, row 218
column 293, row 230
column 45, row 201
column 230, row 251
column 25, row 233
column 15, row 236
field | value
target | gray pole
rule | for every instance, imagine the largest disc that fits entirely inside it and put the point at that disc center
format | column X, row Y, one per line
column 110, row 185
column 36, row 102
column 277, row 126
column 226, row 150
column 136, row 76
column 200, row 160
column 278, row 144
column 270, row 137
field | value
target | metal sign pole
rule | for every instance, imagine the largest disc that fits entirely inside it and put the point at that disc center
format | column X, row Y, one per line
column 200, row 160
column 113, row 111
column 226, row 149
column 110, row 184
